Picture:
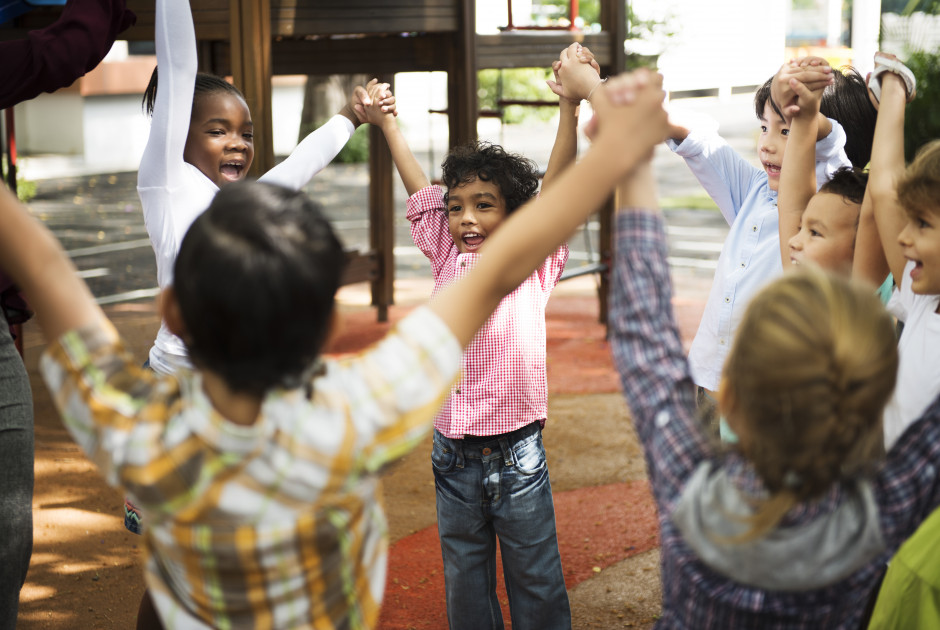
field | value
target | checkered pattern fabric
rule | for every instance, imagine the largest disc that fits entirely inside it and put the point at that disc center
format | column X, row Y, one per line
column 272, row 525
column 503, row 384
column 656, row 382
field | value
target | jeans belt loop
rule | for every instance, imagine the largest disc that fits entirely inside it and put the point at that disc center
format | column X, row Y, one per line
column 457, row 445
column 507, row 452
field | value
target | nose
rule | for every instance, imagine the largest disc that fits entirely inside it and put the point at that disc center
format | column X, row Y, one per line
column 468, row 217
column 237, row 142
column 904, row 238
column 767, row 144
column 796, row 241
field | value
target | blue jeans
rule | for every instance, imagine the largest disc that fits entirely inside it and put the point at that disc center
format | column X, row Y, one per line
column 498, row 487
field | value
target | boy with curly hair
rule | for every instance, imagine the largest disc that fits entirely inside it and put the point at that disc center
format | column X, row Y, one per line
column 488, row 460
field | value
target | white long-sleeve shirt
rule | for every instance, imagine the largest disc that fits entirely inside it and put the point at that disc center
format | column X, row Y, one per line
column 173, row 192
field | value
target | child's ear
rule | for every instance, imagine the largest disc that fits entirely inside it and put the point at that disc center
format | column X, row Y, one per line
column 169, row 309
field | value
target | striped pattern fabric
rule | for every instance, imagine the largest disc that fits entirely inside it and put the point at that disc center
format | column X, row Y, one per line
column 655, row 376
column 503, row 386
column 272, row 525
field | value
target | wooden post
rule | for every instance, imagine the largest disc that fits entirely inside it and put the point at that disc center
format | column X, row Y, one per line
column 462, row 107
column 251, row 72
column 613, row 21
column 382, row 216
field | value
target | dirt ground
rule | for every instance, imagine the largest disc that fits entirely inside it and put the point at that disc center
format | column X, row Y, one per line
column 86, row 568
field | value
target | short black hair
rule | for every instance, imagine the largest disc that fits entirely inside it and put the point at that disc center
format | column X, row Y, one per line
column 845, row 101
column 517, row 177
column 848, row 182
column 255, row 279
column 206, row 83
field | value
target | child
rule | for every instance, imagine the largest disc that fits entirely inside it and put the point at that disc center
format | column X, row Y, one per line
column 791, row 528
column 259, row 477
column 489, row 463
column 201, row 138
column 906, row 208
column 747, row 197
column 815, row 227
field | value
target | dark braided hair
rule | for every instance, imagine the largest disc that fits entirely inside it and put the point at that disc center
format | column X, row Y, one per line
column 206, row 83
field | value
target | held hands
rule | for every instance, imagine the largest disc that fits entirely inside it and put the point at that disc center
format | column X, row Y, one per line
column 629, row 114
column 576, row 74
column 372, row 103
column 799, row 84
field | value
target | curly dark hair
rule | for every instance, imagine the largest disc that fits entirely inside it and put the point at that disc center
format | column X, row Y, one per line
column 848, row 182
column 517, row 177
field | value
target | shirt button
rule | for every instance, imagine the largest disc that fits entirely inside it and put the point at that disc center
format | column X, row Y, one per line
column 487, row 450
column 463, row 263
column 754, row 229
column 727, row 300
column 742, row 265
column 458, row 391
column 721, row 341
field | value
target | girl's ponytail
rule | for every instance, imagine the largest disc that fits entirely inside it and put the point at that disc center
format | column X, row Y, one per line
column 150, row 94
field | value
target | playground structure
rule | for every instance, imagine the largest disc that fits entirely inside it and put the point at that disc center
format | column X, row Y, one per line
column 253, row 40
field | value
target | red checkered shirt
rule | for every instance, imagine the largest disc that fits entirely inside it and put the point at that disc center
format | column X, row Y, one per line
column 503, row 384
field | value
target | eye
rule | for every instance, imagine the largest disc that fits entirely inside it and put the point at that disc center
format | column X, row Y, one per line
column 785, row 132
column 814, row 233
column 248, row 136
column 763, row 128
column 453, row 209
column 484, row 205
column 922, row 224
column 216, row 132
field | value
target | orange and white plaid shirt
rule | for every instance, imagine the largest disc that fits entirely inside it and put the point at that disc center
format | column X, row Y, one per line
column 272, row 525
column 503, row 384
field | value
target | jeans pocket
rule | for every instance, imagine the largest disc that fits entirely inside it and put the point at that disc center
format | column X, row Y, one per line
column 443, row 457
column 529, row 456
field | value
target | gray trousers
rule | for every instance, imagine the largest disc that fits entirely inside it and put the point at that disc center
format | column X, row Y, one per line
column 16, row 476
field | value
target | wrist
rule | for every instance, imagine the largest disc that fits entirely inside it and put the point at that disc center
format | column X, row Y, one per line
column 348, row 112
column 592, row 90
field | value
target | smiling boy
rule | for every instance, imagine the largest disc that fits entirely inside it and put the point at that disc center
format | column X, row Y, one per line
column 747, row 198
column 489, row 464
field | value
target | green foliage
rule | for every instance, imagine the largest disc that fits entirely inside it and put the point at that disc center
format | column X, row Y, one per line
column 357, row 149
column 688, row 202
column 922, row 119
column 25, row 189
column 588, row 10
column 517, row 84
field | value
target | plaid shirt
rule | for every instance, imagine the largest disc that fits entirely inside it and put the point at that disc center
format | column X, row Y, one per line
column 656, row 382
column 503, row 385
column 272, row 525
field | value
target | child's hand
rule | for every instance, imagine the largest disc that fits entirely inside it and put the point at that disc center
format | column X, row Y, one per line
column 583, row 55
column 812, row 72
column 576, row 73
column 373, row 103
column 629, row 111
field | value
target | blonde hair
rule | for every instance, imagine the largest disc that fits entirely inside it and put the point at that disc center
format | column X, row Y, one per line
column 919, row 187
column 812, row 366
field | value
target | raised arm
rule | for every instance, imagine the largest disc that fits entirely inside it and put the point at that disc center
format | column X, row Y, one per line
column 630, row 107
column 798, row 171
column 175, row 39
column 565, row 150
column 410, row 171
column 319, row 147
column 869, row 262
column 53, row 57
column 31, row 255
column 887, row 166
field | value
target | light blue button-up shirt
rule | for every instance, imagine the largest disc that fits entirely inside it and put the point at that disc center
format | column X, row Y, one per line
column 750, row 256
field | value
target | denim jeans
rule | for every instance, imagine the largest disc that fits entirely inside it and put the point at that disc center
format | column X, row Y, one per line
column 498, row 487
column 16, row 477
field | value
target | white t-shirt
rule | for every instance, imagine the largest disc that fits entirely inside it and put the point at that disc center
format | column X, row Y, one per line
column 173, row 192
column 919, row 368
